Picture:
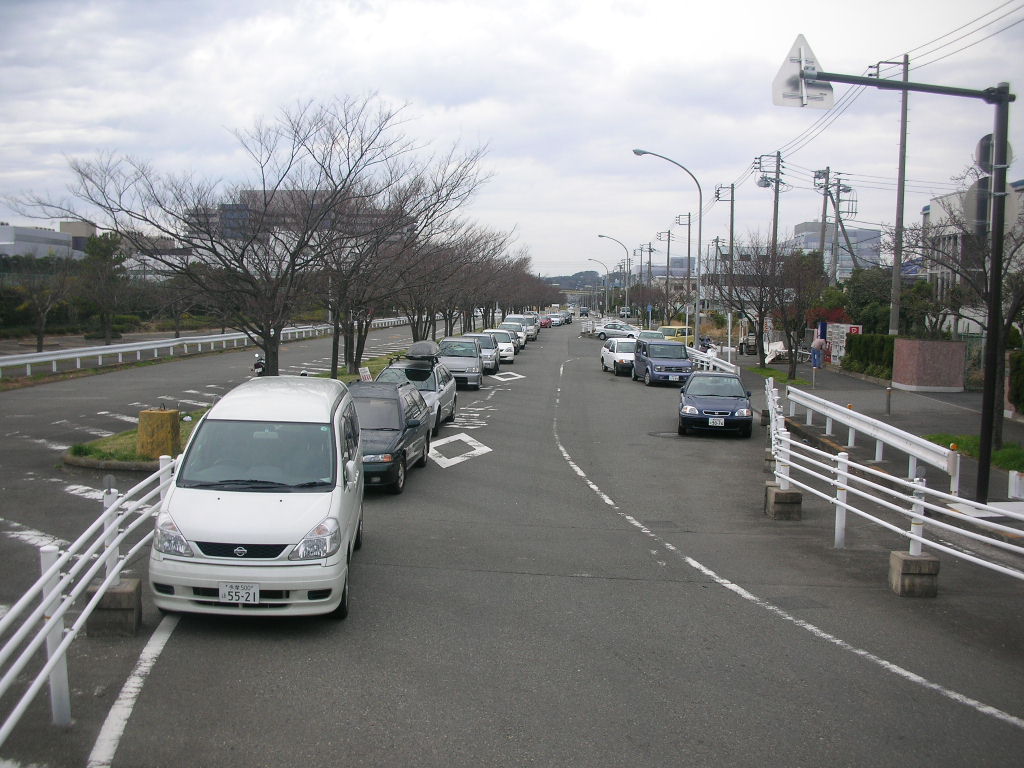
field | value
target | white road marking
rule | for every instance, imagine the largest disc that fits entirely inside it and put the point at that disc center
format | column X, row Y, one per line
column 817, row 632
column 94, row 431
column 476, row 449
column 39, row 441
column 107, row 741
column 31, row 536
column 507, row 376
column 119, row 416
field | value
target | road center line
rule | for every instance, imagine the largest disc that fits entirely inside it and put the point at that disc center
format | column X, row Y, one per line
column 817, row 632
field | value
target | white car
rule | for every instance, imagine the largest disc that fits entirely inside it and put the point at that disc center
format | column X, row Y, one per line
column 266, row 504
column 617, row 355
column 518, row 329
column 613, row 329
column 506, row 347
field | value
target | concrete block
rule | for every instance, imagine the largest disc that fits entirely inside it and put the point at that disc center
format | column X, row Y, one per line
column 119, row 611
column 914, row 575
column 782, row 505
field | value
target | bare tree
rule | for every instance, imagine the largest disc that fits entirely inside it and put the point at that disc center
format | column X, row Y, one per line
column 749, row 285
column 802, row 279
column 42, row 285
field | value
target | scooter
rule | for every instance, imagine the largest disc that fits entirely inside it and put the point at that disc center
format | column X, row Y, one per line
column 260, row 365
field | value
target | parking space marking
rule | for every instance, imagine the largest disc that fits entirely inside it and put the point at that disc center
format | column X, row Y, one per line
column 507, row 376
column 119, row 417
column 476, row 448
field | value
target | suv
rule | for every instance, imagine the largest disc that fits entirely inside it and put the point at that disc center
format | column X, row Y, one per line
column 657, row 361
column 394, row 426
column 421, row 368
column 266, row 504
column 461, row 356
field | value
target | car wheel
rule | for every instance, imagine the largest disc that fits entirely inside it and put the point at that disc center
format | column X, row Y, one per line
column 399, row 485
column 647, row 377
column 632, row 374
column 437, row 423
column 341, row 612
column 602, row 336
column 451, row 416
column 682, row 428
column 358, row 543
column 426, row 450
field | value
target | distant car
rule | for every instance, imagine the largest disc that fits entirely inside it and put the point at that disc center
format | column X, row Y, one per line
column 661, row 361
column 530, row 324
column 683, row 333
column 715, row 402
column 507, row 344
column 655, row 335
column 617, row 355
column 518, row 329
column 433, row 380
column 584, row 311
column 624, row 312
column 555, row 319
column 614, row 329
column 394, row 426
column 545, row 322
column 488, row 351
column 461, row 356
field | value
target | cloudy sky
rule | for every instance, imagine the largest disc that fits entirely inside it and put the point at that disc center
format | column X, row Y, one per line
column 559, row 91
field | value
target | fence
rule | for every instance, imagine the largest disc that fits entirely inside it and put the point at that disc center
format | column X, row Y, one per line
column 868, row 492
column 85, row 570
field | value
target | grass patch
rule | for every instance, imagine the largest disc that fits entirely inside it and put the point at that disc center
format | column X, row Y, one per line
column 1010, row 456
column 780, row 376
column 375, row 364
column 122, row 446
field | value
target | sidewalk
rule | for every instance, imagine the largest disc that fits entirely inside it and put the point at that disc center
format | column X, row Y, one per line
column 920, row 413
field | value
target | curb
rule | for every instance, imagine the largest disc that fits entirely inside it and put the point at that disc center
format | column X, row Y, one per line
column 110, row 464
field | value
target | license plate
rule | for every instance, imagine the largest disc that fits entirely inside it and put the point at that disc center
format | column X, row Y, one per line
column 673, row 377
column 716, row 421
column 239, row 593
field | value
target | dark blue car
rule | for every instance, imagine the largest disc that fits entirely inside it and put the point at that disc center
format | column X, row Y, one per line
column 394, row 428
column 715, row 402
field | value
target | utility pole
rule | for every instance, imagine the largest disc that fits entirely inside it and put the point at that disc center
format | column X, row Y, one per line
column 766, row 181
column 823, row 175
column 901, row 181
column 667, row 237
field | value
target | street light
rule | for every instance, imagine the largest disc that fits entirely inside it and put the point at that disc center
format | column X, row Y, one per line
column 606, row 280
column 606, row 237
column 700, row 222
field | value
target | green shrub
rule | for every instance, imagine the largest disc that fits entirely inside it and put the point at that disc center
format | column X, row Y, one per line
column 1015, row 369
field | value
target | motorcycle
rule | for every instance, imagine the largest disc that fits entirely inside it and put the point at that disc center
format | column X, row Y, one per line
column 260, row 365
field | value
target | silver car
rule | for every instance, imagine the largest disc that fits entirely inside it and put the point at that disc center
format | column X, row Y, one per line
column 434, row 382
column 616, row 329
column 461, row 356
column 529, row 323
column 488, row 351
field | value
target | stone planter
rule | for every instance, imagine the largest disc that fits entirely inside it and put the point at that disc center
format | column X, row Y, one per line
column 920, row 365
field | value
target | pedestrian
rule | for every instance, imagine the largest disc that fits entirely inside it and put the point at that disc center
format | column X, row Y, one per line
column 817, row 351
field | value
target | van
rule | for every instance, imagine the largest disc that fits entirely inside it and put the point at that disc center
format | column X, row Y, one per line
column 265, row 507
column 661, row 361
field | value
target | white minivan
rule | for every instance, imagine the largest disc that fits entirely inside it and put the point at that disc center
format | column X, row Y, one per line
column 266, row 506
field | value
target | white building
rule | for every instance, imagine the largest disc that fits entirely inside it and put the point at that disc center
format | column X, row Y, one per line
column 41, row 242
column 866, row 244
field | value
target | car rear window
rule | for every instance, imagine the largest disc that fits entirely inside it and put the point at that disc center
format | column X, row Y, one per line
column 458, row 348
column 626, row 346
column 377, row 412
column 423, row 379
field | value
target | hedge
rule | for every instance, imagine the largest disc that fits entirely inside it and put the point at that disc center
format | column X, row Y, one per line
column 869, row 353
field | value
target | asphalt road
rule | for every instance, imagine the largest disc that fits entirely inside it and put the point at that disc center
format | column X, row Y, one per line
column 568, row 582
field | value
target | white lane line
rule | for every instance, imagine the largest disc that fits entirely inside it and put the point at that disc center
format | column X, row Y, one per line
column 39, row 441
column 119, row 416
column 31, row 536
column 94, row 431
column 107, row 741
column 821, row 634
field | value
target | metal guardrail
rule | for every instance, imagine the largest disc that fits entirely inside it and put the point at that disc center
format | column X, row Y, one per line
column 866, row 491
column 916, row 448
column 84, row 570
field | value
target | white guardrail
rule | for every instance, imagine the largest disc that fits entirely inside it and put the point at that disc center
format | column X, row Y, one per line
column 183, row 345
column 76, row 574
column 916, row 448
column 867, row 492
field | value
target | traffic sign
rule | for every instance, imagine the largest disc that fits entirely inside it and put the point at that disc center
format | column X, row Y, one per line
column 794, row 85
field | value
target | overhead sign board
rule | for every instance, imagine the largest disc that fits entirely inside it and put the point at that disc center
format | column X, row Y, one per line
column 794, row 85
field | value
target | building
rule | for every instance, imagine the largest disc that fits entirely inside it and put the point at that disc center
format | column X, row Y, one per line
column 866, row 245
column 41, row 242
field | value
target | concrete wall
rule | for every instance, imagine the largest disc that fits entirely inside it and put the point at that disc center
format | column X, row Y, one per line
column 929, row 366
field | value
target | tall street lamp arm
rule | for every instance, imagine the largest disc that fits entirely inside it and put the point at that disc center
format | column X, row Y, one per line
column 700, row 222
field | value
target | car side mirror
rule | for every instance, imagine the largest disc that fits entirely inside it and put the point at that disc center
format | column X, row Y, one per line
column 748, row 393
column 351, row 473
column 682, row 389
column 412, row 423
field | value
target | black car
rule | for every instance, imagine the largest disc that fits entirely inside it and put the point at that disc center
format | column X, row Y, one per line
column 715, row 402
column 394, row 428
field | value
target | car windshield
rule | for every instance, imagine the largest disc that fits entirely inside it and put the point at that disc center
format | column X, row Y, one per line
column 377, row 412
column 668, row 351
column 626, row 346
column 259, row 456
column 458, row 349
column 503, row 336
column 715, row 386
column 422, row 378
column 486, row 342
column 512, row 327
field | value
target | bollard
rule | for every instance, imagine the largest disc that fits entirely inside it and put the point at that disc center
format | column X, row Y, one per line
column 917, row 525
column 888, row 401
column 842, row 477
column 110, row 498
column 60, row 692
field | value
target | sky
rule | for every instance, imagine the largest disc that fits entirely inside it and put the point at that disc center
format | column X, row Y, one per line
column 559, row 93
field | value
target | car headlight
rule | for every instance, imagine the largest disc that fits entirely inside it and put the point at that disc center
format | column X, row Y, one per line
column 323, row 541
column 168, row 539
column 689, row 410
column 472, row 370
column 744, row 412
column 659, row 368
column 378, row 458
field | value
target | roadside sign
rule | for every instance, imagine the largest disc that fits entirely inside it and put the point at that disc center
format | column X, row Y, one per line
column 364, row 374
column 794, row 85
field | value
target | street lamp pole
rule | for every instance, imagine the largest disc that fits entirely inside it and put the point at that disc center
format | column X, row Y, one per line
column 606, row 280
column 700, row 222
column 606, row 237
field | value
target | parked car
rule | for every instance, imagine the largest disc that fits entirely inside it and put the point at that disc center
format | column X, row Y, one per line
column 658, row 361
column 683, row 333
column 518, row 329
column 461, row 356
column 488, row 351
column 434, row 381
column 614, row 329
column 748, row 344
column 530, row 324
column 617, row 355
column 716, row 402
column 555, row 319
column 394, row 425
column 655, row 335
column 545, row 322
column 506, row 344
column 266, row 505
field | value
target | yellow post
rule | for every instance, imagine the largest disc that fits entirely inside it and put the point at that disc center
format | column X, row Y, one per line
column 159, row 433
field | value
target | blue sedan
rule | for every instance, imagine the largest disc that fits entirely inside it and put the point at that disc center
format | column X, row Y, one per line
column 715, row 402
